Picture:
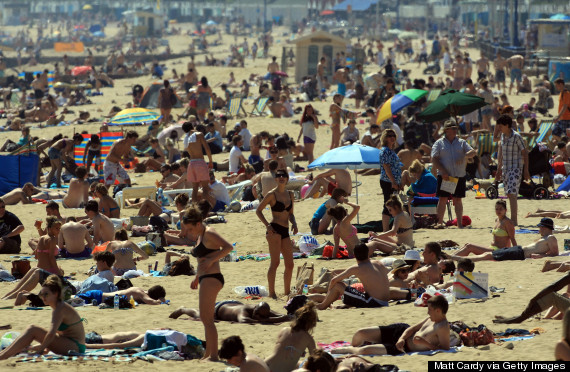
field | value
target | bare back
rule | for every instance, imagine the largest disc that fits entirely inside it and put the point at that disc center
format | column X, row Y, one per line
column 288, row 350
column 374, row 278
column 74, row 237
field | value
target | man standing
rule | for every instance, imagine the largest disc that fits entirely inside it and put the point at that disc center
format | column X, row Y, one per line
column 449, row 156
column 515, row 65
column 499, row 65
column 120, row 150
column 458, row 72
column 198, row 169
column 482, row 67
column 512, row 163
column 10, row 229
column 321, row 73
column 562, row 120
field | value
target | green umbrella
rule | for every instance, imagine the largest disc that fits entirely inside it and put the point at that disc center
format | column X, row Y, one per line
column 451, row 103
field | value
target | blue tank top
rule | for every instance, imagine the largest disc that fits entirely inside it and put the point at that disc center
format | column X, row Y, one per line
column 320, row 211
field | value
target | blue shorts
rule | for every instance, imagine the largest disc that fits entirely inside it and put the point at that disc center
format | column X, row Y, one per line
column 219, row 207
column 516, row 74
column 253, row 159
column 308, row 140
column 89, row 296
column 341, row 89
column 54, row 153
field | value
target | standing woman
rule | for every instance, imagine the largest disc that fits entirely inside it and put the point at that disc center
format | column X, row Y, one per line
column 65, row 334
column 57, row 153
column 204, row 92
column 390, row 172
column 309, row 124
column 210, row 248
column 281, row 202
column 166, row 99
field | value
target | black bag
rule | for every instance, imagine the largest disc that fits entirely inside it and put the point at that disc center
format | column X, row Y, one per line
column 159, row 224
column 123, row 284
column 123, row 302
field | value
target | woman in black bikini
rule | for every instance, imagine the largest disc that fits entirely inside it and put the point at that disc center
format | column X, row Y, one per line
column 281, row 202
column 208, row 253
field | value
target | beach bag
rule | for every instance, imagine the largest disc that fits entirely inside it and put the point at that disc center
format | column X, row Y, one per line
column 307, row 243
column 20, row 268
column 341, row 253
column 160, row 225
column 481, row 336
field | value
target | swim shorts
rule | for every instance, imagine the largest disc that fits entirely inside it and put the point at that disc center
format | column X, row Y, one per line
column 253, row 159
column 512, row 180
column 516, row 74
column 54, row 153
column 112, row 171
column 198, row 171
column 83, row 254
column 222, row 303
column 341, row 89
column 459, row 189
column 389, row 336
column 353, row 297
column 509, row 254
column 38, row 94
column 500, row 76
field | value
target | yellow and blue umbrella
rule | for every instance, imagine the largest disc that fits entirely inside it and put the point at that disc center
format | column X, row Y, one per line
column 398, row 102
column 134, row 116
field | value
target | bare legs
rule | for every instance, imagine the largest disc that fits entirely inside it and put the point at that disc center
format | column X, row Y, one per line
column 149, row 208
column 209, row 289
column 472, row 248
column 361, row 337
column 278, row 246
column 59, row 345
column 56, row 167
column 514, row 208
column 308, row 151
column 442, row 204
column 192, row 313
column 28, row 283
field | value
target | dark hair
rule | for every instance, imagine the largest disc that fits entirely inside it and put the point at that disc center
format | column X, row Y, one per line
column 187, row 126
column 236, row 139
column 92, row 206
column 204, row 81
column 52, row 205
column 466, row 264
column 559, row 81
column 448, row 266
column 505, row 120
column 439, row 302
column 122, row 235
column 434, row 247
column 166, row 83
column 338, row 193
column 273, row 165
column 52, row 220
column 95, row 139
column 106, row 256
column 230, row 347
column 501, row 203
column 80, row 172
column 305, row 318
column 182, row 199
column 132, row 134
column 361, row 252
column 282, row 171
column 53, row 283
column 305, row 117
column 77, row 137
column 156, row 292
column 338, row 212
column 320, row 361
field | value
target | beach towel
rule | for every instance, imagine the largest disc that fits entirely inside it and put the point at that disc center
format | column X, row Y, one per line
column 266, row 256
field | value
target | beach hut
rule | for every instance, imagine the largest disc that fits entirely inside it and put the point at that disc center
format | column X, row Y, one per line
column 145, row 23
column 312, row 47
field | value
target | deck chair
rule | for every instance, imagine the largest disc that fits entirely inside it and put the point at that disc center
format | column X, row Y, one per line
column 433, row 94
column 148, row 192
column 236, row 191
column 544, row 130
column 259, row 108
column 235, row 106
column 486, row 144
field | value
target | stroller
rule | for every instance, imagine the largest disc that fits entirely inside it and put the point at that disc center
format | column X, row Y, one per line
column 538, row 165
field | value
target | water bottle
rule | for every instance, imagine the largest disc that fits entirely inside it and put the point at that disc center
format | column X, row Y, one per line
column 233, row 256
column 256, row 290
column 116, row 302
column 305, row 289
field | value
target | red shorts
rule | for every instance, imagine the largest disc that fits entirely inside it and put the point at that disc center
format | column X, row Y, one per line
column 332, row 186
column 198, row 171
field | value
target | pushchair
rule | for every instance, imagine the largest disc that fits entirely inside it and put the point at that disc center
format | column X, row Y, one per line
column 539, row 164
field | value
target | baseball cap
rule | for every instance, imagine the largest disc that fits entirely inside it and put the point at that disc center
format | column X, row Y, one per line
column 546, row 222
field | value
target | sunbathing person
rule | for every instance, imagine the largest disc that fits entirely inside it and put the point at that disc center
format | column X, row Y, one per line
column 503, row 233
column 294, row 340
column 66, row 332
column 235, row 311
column 321, row 219
column 399, row 274
column 118, row 340
column 430, row 273
column 124, row 250
column 233, row 351
column 103, row 228
column 52, row 209
column 374, row 278
column 544, row 300
column 402, row 229
column 328, row 181
column 560, row 266
column 154, row 208
column 17, row 195
column 47, row 251
column 549, row 213
column 78, row 192
column 154, row 296
column 562, row 349
column 158, row 157
column 430, row 334
column 107, row 205
column 545, row 246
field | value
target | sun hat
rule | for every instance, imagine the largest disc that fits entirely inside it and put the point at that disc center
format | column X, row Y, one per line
column 399, row 265
column 412, row 255
column 450, row 123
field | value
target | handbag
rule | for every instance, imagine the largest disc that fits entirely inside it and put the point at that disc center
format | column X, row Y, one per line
column 20, row 268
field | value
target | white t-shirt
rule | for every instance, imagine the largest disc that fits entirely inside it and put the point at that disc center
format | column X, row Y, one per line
column 235, row 155
column 246, row 135
column 399, row 138
column 220, row 192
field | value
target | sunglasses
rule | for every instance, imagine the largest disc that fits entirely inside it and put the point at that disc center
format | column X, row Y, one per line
column 391, row 135
column 281, row 175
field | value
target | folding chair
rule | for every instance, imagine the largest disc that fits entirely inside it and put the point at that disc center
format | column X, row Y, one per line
column 148, row 192
column 259, row 108
column 433, row 94
column 545, row 129
column 486, row 144
column 234, row 107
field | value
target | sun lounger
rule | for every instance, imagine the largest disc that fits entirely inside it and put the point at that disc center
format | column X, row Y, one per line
column 148, row 192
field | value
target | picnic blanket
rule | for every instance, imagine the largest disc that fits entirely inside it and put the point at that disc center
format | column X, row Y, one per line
column 267, row 256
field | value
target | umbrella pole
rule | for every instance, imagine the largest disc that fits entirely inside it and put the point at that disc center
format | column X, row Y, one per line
column 358, row 214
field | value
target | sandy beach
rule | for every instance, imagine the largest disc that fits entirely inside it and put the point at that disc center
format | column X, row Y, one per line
column 521, row 279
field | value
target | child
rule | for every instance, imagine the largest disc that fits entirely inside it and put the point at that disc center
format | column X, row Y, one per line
column 47, row 249
column 321, row 219
column 292, row 341
column 173, row 152
column 350, row 133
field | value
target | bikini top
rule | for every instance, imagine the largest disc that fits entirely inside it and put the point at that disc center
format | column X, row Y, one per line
column 353, row 232
column 123, row 250
column 201, row 250
column 280, row 206
column 55, row 251
column 500, row 232
column 63, row 326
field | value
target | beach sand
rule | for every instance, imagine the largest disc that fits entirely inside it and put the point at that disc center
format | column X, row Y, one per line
column 522, row 280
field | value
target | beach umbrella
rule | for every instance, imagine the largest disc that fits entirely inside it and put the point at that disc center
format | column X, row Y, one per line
column 353, row 157
column 134, row 116
column 327, row 12
column 560, row 16
column 87, row 7
column 211, row 23
column 398, row 102
column 451, row 103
